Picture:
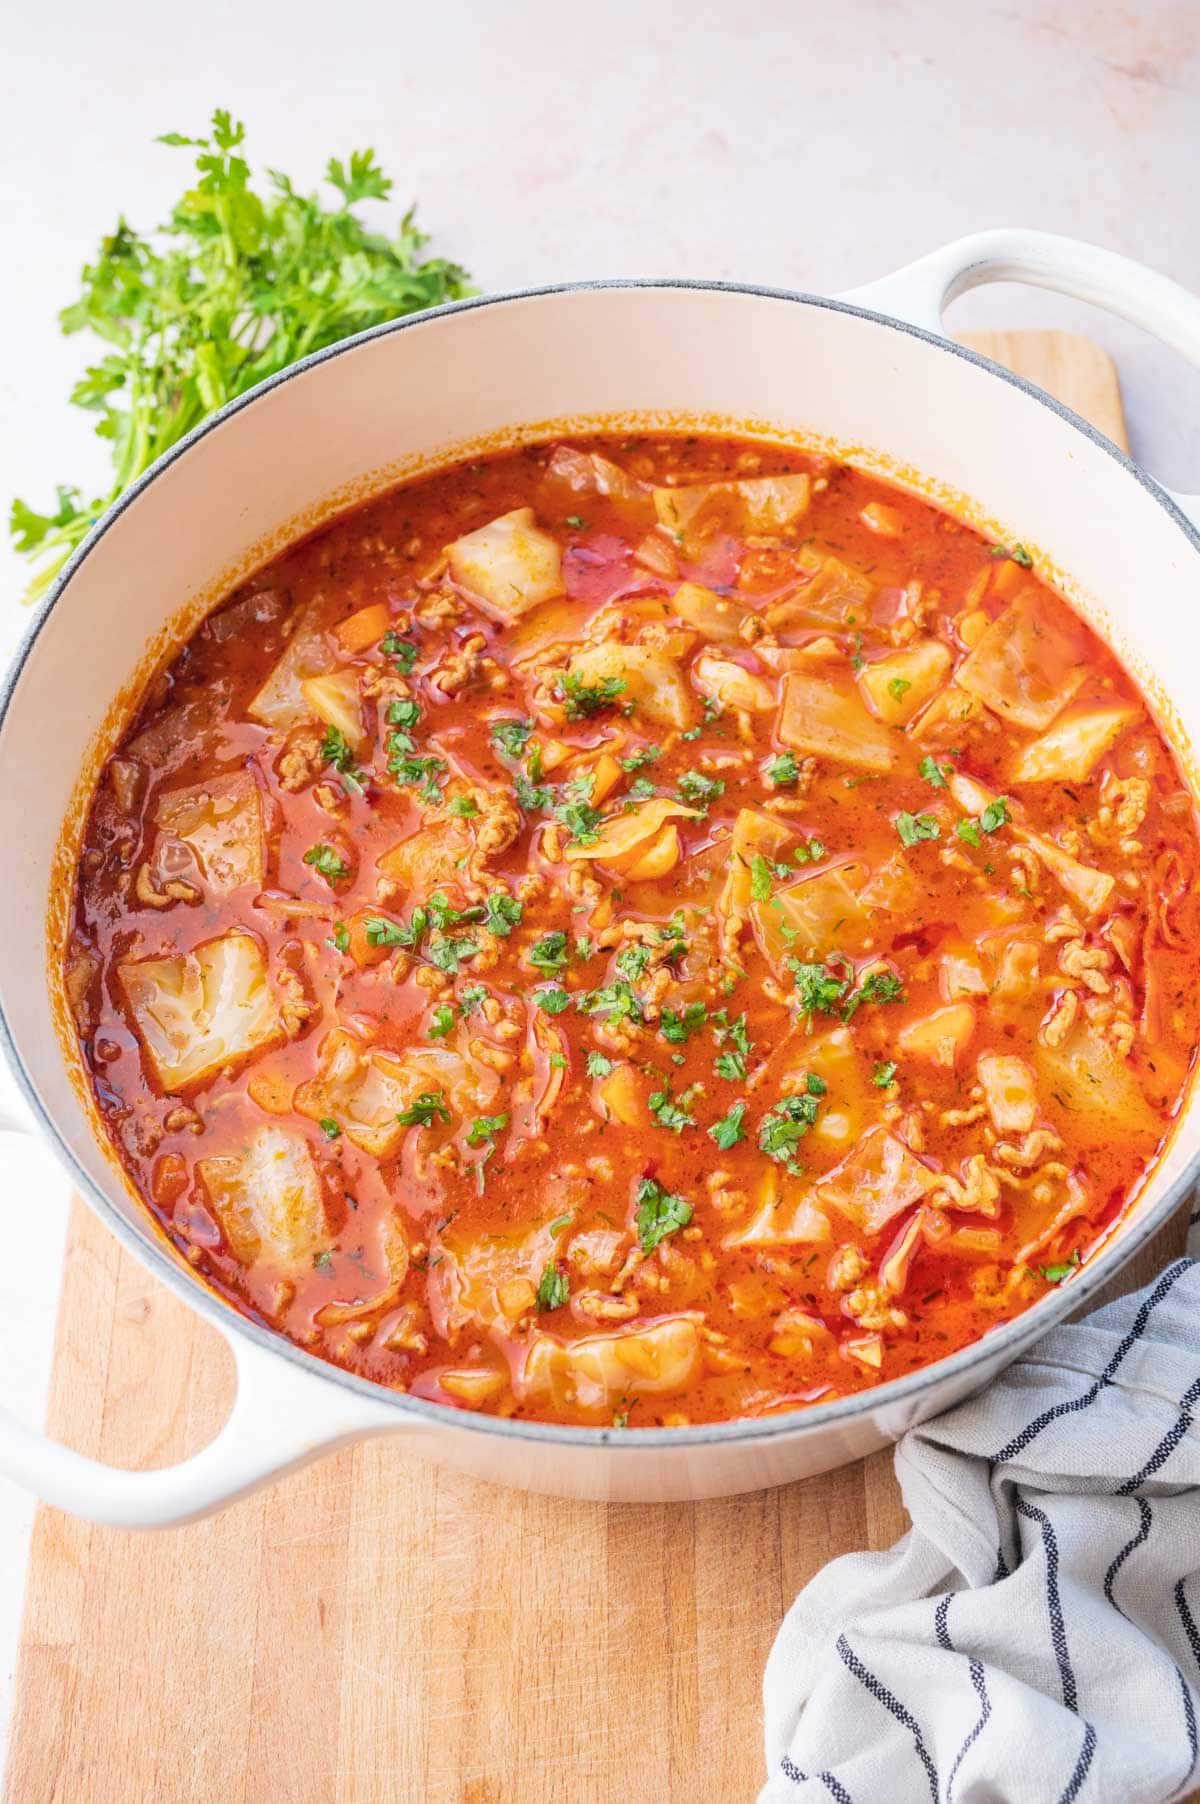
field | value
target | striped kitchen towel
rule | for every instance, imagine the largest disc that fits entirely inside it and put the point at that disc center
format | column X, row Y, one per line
column 1035, row 1637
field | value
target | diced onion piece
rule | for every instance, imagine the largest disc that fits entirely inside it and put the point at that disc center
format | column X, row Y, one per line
column 626, row 838
column 509, row 565
column 1028, row 664
column 366, row 626
column 782, row 658
column 877, row 517
column 960, row 975
column 899, row 685
column 734, row 686
column 364, row 1090
column 1099, row 1094
column 597, row 1372
column 865, row 1349
column 267, row 1198
column 199, row 1011
column 651, row 680
column 758, row 504
column 718, row 617
column 818, row 717
column 1073, row 746
column 796, row 1333
column 222, row 821
column 1009, row 1090
column 941, row 1037
column 333, row 698
column 785, row 1215
column 878, row 1180
column 812, row 917
column 895, row 1265
column 280, row 703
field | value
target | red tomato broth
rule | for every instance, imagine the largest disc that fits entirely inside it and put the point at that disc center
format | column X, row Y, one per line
column 473, row 1274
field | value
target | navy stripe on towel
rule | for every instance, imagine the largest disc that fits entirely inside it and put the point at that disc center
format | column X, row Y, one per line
column 985, row 1710
column 1110, row 1576
column 882, row 1695
column 1169, row 1442
column 1058, row 1628
column 1032, row 1429
column 836, row 1790
column 1081, row 1766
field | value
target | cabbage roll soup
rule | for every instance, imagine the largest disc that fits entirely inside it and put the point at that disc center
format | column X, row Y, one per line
column 637, row 932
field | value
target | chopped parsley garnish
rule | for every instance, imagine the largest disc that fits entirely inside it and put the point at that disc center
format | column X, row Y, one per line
column 728, row 1131
column 554, row 1289
column 679, row 1028
column 1017, row 553
column 632, row 961
column 583, row 946
column 879, row 986
column 673, row 1112
column 760, row 878
column 1054, row 1274
column 532, row 796
column 472, row 996
column 898, row 688
column 969, row 830
column 819, row 992
column 933, row 772
column 645, row 754
column 699, row 790
column 577, row 521
column 598, row 1065
column 552, row 1001
column 782, row 770
column 330, row 1128
column 404, row 652
column 503, row 913
column 857, row 660
column 386, row 933
column 616, row 1001
column 484, row 1128
column 403, row 713
column 642, row 789
column 339, row 939
column 580, row 699
column 581, row 820
column 512, row 736
column 731, row 1063
column 447, row 952
column 884, row 1074
column 915, row 827
column 808, row 853
column 995, row 815
column 549, row 954
column 465, row 807
column 336, row 750
column 323, row 1261
column 427, row 1109
column 785, row 1125
column 659, row 1213
column 325, row 860
column 443, row 1022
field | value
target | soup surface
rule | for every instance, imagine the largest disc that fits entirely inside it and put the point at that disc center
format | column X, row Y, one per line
column 639, row 932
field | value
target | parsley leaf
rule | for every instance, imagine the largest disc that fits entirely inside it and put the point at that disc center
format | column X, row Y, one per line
column 898, row 688
column 429, row 1106
column 512, row 736
column 580, row 699
column 933, row 772
column 1017, row 553
column 760, row 878
column 884, row 1074
column 670, row 1112
column 785, row 1125
column 554, row 1289
column 549, row 954
column 679, row 1028
column 699, row 790
column 484, row 1129
column 659, row 1213
column 503, row 913
column 819, row 992
column 782, row 770
column 552, row 1001
column 1055, row 1274
column 914, row 827
column 879, row 986
column 969, row 831
column 645, row 754
column 339, row 939
column 325, row 860
column 995, row 815
column 330, row 1128
column 464, row 807
column 443, row 1022
column 728, row 1131
column 335, row 749
column 239, row 282
column 404, row 652
column 598, row 1065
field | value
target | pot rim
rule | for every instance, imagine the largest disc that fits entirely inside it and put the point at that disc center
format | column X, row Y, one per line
column 144, row 1242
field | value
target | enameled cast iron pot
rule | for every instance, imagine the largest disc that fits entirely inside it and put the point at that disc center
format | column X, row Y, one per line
column 868, row 376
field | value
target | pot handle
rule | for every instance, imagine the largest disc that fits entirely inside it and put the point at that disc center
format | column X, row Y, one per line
column 282, row 1417
column 919, row 293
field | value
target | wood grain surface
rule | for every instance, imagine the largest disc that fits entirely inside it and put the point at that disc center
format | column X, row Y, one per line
column 373, row 1631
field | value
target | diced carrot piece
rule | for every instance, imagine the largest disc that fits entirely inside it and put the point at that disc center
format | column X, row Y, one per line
column 606, row 774
column 364, row 627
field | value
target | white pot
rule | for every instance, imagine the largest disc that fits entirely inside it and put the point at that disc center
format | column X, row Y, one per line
column 868, row 377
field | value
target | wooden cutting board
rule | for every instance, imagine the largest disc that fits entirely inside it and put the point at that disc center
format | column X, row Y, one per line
column 373, row 1631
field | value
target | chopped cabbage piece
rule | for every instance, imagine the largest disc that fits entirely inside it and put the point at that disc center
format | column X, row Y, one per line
column 431, row 857
column 597, row 1372
column 950, row 714
column 199, row 1011
column 754, row 834
column 650, row 679
column 280, row 703
column 625, row 839
column 1009, row 1090
column 221, row 824
column 835, row 595
column 831, row 722
column 899, row 685
column 573, row 476
column 785, row 1215
column 267, row 1197
column 1097, row 1091
column 487, row 1280
column 1073, row 746
column 1028, row 664
column 758, row 504
column 333, row 698
column 509, row 565
column 1083, row 883
column 939, row 1038
column 364, row 1089
column 812, row 917
column 733, row 685
column 878, row 1180
column 718, row 617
